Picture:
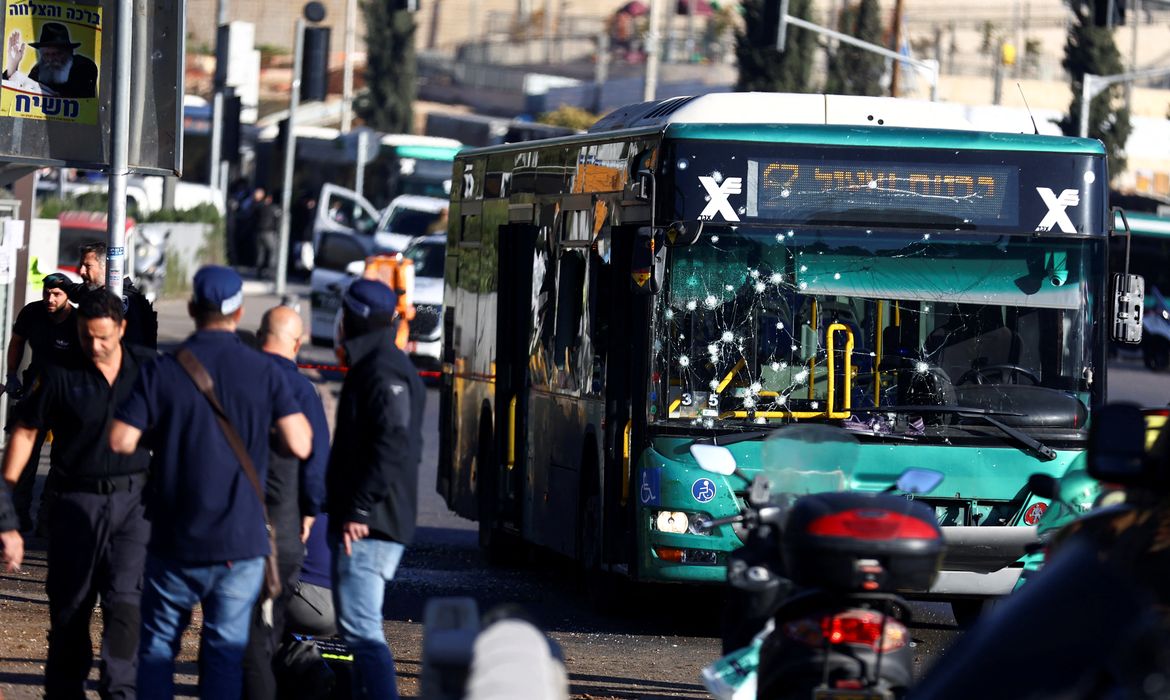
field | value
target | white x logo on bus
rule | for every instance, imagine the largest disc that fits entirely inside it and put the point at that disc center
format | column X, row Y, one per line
column 1056, row 209
column 719, row 194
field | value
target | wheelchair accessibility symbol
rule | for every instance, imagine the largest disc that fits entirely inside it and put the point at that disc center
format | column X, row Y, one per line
column 703, row 490
column 649, row 487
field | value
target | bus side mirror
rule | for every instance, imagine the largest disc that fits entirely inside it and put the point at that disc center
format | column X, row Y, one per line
column 648, row 263
column 1129, row 294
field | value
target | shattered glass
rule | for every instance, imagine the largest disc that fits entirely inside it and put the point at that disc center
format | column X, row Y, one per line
column 763, row 324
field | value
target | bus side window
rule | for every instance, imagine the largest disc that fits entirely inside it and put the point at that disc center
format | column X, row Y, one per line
column 570, row 292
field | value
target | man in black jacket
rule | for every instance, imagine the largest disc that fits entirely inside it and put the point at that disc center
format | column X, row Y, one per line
column 372, row 480
column 141, row 318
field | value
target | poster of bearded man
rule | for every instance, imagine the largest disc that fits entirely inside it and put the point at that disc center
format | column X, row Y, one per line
column 52, row 60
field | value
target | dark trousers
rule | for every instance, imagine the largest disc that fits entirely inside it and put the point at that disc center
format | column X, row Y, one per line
column 22, row 495
column 97, row 545
column 259, row 677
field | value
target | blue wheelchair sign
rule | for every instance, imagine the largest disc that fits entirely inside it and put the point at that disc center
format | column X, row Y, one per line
column 703, row 490
column 649, row 487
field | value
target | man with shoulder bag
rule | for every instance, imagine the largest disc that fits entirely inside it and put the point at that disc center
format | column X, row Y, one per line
column 207, row 412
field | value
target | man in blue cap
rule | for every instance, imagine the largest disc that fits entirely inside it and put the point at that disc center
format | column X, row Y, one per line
column 372, row 480
column 208, row 535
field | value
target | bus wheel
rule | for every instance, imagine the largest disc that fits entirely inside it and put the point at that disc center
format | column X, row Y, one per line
column 603, row 589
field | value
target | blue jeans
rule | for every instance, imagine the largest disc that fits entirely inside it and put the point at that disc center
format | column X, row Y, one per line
column 359, row 588
column 227, row 592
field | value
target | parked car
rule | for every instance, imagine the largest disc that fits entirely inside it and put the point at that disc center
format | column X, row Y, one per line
column 341, row 210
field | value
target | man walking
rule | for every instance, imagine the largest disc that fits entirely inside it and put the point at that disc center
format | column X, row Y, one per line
column 295, row 492
column 373, row 477
column 98, row 534
column 141, row 318
column 208, row 537
column 48, row 328
column 267, row 236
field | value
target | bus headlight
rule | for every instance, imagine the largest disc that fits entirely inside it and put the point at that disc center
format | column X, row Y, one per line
column 672, row 521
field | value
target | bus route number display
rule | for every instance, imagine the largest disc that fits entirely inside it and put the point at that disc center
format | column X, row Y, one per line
column 808, row 190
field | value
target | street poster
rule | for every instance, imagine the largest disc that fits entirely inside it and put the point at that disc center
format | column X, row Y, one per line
column 52, row 61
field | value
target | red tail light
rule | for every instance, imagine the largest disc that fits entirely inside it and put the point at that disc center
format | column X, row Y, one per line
column 857, row 627
column 872, row 524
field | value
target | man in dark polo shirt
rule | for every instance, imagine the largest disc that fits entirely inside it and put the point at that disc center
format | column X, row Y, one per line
column 98, row 533
column 208, row 537
column 295, row 492
column 48, row 328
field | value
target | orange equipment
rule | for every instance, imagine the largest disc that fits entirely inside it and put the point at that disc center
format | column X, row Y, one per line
column 397, row 273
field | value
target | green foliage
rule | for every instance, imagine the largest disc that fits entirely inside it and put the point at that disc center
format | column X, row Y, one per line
column 391, row 69
column 570, row 117
column 1091, row 49
column 852, row 70
column 51, row 206
column 763, row 68
column 203, row 213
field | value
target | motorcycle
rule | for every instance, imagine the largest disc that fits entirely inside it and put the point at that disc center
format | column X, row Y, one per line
column 820, row 572
column 150, row 262
column 1098, row 603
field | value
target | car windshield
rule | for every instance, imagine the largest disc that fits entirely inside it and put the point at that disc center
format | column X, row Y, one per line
column 763, row 325
column 427, row 258
column 410, row 222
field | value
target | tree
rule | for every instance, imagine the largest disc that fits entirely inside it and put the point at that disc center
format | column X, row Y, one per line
column 1091, row 49
column 853, row 70
column 761, row 66
column 391, row 71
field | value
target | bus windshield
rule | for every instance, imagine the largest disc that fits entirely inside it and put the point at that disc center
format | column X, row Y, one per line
column 767, row 324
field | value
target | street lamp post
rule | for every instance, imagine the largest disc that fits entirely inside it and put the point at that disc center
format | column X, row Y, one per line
column 313, row 12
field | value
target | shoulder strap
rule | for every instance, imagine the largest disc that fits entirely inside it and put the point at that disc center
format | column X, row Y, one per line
column 202, row 379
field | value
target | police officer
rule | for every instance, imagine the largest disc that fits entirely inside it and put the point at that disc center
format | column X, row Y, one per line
column 141, row 318
column 372, row 482
column 208, row 537
column 48, row 328
column 98, row 533
column 295, row 492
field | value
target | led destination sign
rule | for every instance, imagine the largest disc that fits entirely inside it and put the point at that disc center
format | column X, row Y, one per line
column 828, row 192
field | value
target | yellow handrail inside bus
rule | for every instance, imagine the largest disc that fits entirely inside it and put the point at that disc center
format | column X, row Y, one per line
column 512, row 433
column 626, row 461
column 831, row 342
column 812, row 363
column 730, row 375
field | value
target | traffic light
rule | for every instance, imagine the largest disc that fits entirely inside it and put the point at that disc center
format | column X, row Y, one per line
column 771, row 22
column 1108, row 13
column 315, row 69
column 230, row 139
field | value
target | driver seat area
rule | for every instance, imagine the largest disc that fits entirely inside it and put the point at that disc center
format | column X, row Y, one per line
column 973, row 340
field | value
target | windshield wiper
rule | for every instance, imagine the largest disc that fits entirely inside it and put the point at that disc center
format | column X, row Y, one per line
column 1031, row 445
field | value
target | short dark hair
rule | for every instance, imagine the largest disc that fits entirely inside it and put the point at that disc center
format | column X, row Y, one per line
column 96, row 247
column 208, row 317
column 101, row 303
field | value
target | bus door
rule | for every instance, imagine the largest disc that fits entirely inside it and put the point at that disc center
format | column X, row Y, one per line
column 626, row 382
column 515, row 249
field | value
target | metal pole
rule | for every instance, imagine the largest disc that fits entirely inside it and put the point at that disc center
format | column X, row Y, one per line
column 1086, row 100
column 653, row 47
column 548, row 31
column 359, row 176
column 119, row 147
column 692, row 6
column 347, row 76
column 1134, row 21
column 216, row 149
column 290, row 151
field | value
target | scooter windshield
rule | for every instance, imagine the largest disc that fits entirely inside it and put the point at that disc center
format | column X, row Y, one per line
column 808, row 458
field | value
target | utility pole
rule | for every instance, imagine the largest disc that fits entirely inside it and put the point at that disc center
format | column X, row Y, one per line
column 119, row 171
column 895, row 46
column 351, row 10
column 222, row 59
column 1134, row 20
column 315, row 12
column 653, row 49
column 548, row 31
